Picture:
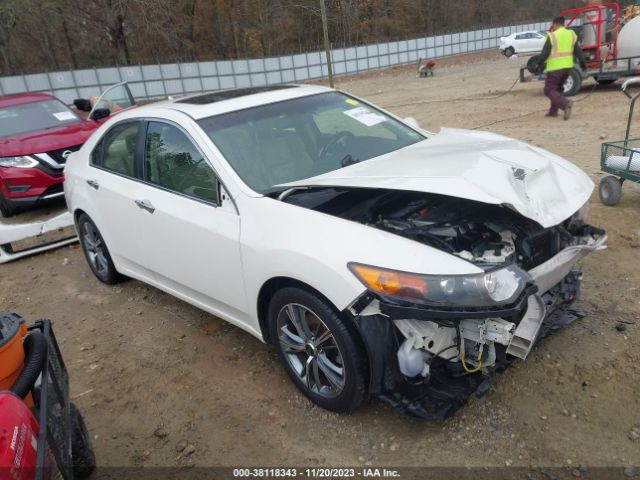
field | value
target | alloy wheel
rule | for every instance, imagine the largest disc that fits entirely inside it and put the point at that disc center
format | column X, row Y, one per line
column 95, row 248
column 311, row 350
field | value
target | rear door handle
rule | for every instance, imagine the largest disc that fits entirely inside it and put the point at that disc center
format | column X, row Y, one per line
column 93, row 184
column 145, row 205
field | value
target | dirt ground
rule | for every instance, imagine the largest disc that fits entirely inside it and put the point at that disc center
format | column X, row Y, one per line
column 150, row 372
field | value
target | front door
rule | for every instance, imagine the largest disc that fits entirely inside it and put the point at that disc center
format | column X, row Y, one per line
column 189, row 236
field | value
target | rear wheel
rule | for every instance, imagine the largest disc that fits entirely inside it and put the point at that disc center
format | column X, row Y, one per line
column 322, row 354
column 96, row 251
column 610, row 190
column 573, row 83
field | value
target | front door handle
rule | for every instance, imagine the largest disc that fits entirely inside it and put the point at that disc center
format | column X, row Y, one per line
column 93, row 184
column 145, row 205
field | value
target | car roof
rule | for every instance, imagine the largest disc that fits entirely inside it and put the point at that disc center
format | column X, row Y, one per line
column 218, row 102
column 20, row 98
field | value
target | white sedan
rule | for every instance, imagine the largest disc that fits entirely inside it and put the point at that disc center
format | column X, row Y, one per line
column 378, row 258
column 522, row 42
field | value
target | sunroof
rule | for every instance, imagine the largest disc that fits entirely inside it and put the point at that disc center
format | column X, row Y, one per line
column 229, row 94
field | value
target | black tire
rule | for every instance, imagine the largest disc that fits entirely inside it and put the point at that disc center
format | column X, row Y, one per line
column 6, row 210
column 534, row 66
column 82, row 455
column 607, row 81
column 343, row 346
column 509, row 52
column 96, row 252
column 610, row 190
column 573, row 84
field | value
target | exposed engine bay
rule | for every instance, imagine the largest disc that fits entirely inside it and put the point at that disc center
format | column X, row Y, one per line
column 483, row 234
column 452, row 350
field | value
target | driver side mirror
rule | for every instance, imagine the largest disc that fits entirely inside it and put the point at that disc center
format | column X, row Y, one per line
column 412, row 122
column 100, row 113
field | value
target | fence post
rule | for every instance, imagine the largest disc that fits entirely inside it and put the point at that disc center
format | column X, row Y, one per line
column 180, row 77
column 280, row 69
column 48, row 81
column 75, row 82
column 164, row 85
column 199, row 76
column 144, row 81
column 233, row 74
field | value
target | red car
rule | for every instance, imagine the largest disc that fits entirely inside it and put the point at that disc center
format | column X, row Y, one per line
column 37, row 134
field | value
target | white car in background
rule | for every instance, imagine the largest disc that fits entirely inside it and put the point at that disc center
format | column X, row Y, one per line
column 378, row 258
column 522, row 42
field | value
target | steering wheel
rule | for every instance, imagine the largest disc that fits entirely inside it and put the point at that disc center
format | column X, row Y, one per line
column 339, row 139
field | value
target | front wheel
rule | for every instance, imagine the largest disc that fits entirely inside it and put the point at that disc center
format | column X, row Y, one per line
column 6, row 210
column 509, row 52
column 573, row 83
column 96, row 251
column 319, row 350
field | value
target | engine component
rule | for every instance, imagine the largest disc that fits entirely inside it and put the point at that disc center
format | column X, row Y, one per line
column 412, row 361
column 442, row 341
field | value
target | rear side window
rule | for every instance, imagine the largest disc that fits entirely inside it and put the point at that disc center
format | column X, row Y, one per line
column 173, row 162
column 117, row 149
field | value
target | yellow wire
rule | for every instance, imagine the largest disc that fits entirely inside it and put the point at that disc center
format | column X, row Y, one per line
column 464, row 365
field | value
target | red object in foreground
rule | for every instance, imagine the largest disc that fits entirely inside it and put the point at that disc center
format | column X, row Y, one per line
column 18, row 439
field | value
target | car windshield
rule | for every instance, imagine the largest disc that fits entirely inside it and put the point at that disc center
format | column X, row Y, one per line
column 296, row 139
column 34, row 116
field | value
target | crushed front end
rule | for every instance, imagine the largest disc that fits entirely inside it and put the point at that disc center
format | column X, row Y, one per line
column 433, row 341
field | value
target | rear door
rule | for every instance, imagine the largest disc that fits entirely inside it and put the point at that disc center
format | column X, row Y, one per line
column 189, row 230
column 113, row 185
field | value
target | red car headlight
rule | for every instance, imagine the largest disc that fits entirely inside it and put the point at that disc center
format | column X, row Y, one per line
column 18, row 162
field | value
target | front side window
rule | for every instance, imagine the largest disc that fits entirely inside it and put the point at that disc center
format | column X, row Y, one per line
column 173, row 162
column 117, row 149
column 35, row 116
column 300, row 138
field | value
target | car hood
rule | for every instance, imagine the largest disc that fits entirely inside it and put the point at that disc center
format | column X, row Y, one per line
column 47, row 140
column 479, row 166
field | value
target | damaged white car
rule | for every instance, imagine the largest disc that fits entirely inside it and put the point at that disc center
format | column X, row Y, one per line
column 378, row 258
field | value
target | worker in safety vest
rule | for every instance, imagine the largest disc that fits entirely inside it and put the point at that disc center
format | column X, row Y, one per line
column 559, row 50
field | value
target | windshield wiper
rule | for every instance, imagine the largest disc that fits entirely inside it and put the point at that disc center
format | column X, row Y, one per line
column 348, row 160
column 289, row 191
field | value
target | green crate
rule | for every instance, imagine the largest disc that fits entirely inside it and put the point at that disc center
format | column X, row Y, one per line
column 622, row 159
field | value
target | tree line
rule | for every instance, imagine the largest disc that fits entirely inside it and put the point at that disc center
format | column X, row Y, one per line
column 41, row 35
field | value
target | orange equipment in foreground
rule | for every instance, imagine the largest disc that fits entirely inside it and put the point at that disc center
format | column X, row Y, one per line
column 12, row 331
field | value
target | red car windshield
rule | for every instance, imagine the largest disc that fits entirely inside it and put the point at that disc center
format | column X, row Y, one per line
column 35, row 116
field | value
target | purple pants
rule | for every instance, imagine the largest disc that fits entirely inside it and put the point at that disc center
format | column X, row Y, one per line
column 553, row 87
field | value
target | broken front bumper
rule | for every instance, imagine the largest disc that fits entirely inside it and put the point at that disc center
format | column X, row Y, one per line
column 19, row 237
column 509, row 332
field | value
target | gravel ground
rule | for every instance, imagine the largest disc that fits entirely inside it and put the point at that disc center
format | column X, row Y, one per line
column 164, row 384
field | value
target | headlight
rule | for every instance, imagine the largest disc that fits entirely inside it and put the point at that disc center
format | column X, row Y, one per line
column 497, row 287
column 19, row 162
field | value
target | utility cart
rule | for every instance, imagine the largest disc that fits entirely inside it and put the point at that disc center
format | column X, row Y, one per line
column 611, row 48
column 620, row 159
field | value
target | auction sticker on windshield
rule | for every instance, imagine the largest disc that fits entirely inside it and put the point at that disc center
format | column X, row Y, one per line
column 365, row 116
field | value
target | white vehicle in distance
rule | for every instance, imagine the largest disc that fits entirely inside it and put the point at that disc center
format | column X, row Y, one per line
column 378, row 258
column 522, row 42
